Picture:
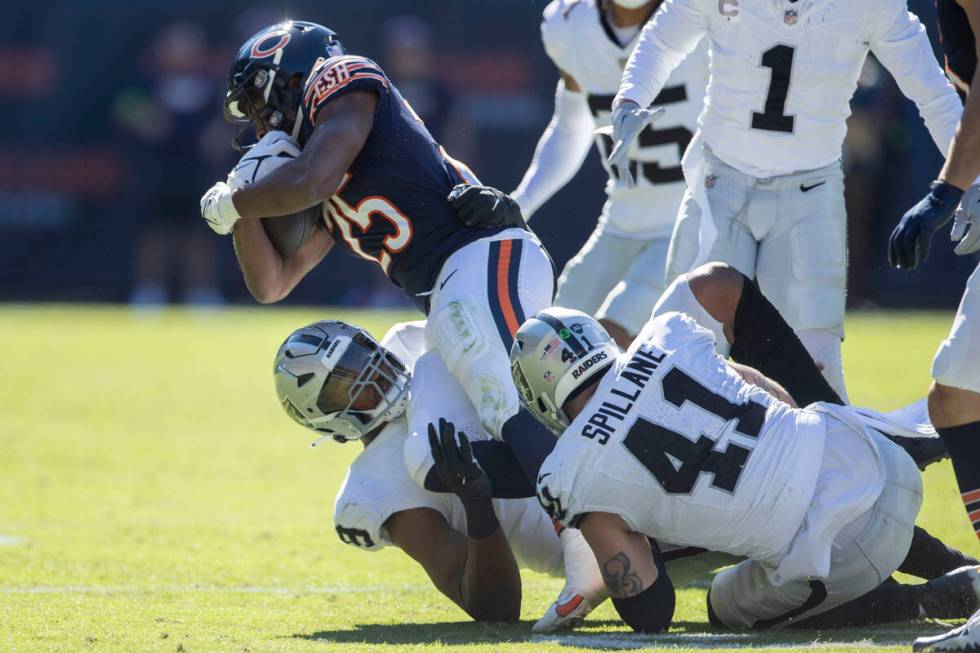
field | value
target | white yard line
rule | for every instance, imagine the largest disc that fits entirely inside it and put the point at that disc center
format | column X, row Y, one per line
column 178, row 589
column 721, row 640
column 11, row 540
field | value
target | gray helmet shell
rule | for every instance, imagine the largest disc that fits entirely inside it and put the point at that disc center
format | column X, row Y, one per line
column 555, row 352
column 320, row 371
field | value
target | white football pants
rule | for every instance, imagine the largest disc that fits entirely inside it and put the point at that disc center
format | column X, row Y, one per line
column 482, row 295
column 615, row 278
column 957, row 363
column 790, row 233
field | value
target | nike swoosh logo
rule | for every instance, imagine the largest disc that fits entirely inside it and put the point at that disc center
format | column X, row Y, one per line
column 567, row 608
column 444, row 281
column 809, row 188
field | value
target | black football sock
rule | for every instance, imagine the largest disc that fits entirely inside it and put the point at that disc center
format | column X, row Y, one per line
column 531, row 442
column 930, row 558
column 765, row 341
column 888, row 602
column 497, row 461
column 963, row 444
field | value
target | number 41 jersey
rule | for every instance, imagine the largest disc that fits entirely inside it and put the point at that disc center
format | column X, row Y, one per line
column 679, row 446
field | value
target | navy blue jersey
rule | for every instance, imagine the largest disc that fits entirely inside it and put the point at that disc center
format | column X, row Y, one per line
column 959, row 45
column 391, row 207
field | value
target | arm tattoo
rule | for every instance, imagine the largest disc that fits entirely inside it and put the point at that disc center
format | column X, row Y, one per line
column 621, row 582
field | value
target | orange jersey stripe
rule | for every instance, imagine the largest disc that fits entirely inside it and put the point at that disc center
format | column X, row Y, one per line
column 503, row 294
column 971, row 496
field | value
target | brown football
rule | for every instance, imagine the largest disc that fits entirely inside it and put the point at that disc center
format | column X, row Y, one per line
column 288, row 232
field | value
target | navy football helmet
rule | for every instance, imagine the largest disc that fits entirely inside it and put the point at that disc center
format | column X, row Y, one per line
column 260, row 83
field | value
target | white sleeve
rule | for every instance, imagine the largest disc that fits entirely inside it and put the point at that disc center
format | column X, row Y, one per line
column 901, row 45
column 560, row 152
column 664, row 42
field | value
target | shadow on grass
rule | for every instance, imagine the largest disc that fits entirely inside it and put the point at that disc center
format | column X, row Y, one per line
column 613, row 635
column 444, row 632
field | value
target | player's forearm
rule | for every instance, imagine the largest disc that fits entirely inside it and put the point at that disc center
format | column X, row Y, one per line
column 491, row 585
column 268, row 275
column 904, row 50
column 757, row 378
column 560, row 151
column 963, row 160
column 290, row 188
column 664, row 42
column 262, row 265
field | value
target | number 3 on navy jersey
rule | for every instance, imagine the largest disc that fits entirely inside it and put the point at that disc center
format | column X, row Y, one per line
column 346, row 216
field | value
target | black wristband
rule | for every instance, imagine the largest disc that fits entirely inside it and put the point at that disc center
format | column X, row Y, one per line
column 481, row 520
column 650, row 611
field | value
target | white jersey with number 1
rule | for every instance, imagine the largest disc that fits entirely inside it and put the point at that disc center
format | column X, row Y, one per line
column 783, row 73
column 580, row 41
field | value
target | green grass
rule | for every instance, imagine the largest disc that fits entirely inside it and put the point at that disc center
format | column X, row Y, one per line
column 153, row 497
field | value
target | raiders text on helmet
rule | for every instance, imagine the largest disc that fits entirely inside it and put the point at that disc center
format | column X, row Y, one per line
column 555, row 352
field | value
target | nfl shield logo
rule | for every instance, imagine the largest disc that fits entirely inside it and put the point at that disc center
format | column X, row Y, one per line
column 549, row 377
column 709, row 181
column 790, row 17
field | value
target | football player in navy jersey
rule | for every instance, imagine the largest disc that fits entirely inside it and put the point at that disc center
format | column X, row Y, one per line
column 383, row 182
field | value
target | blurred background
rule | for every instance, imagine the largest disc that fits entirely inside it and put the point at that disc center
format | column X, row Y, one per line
column 110, row 131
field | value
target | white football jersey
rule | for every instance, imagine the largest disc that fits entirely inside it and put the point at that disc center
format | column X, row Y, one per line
column 580, row 41
column 378, row 483
column 783, row 73
column 678, row 445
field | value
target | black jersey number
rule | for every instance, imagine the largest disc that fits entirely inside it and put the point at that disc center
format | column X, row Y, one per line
column 679, row 136
column 355, row 536
column 779, row 59
column 657, row 447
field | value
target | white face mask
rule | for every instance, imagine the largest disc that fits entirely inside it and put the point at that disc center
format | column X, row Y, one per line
column 631, row 4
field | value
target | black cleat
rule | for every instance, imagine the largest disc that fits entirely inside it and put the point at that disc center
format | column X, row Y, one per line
column 924, row 450
column 955, row 595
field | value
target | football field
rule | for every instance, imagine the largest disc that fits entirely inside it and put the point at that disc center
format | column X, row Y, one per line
column 154, row 497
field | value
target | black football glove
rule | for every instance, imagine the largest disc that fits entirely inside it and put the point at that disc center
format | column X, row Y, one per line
column 455, row 464
column 464, row 478
column 909, row 243
column 484, row 206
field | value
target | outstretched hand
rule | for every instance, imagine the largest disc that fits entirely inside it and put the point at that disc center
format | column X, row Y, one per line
column 628, row 120
column 454, row 462
column 910, row 242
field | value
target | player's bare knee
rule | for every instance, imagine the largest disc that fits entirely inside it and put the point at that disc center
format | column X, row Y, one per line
column 717, row 287
column 950, row 406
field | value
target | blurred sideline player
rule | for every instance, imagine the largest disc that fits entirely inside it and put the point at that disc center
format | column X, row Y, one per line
column 358, row 387
column 619, row 272
column 383, row 182
column 954, row 398
column 765, row 185
column 640, row 446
